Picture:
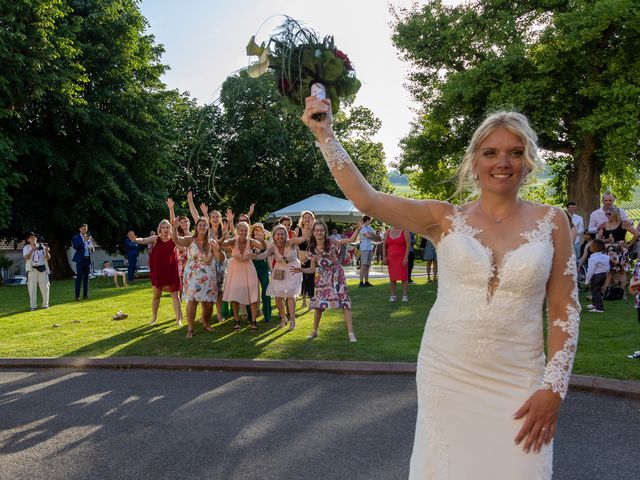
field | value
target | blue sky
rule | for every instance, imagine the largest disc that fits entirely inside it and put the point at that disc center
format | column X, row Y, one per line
column 205, row 42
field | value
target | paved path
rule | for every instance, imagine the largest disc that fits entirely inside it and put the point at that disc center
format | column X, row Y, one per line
column 149, row 424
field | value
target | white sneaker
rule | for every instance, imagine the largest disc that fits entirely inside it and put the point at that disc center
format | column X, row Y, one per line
column 352, row 338
column 405, row 299
column 590, row 306
column 392, row 298
column 595, row 310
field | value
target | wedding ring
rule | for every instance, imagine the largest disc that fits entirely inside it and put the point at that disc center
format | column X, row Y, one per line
column 544, row 429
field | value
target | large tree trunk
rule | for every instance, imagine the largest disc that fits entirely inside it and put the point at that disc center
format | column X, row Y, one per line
column 59, row 262
column 583, row 185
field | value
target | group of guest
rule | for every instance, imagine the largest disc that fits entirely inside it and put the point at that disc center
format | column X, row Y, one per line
column 223, row 261
column 604, row 247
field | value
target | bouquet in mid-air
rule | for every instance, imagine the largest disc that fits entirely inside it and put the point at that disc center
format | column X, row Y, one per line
column 303, row 65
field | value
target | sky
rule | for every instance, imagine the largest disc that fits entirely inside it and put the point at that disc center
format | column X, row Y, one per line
column 205, row 42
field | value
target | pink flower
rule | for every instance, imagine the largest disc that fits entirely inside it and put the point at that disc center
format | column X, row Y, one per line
column 343, row 56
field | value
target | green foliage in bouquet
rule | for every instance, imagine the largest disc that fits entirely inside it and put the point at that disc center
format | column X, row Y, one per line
column 298, row 59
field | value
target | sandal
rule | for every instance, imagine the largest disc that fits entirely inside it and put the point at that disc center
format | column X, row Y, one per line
column 292, row 325
column 120, row 315
column 283, row 323
column 312, row 335
column 189, row 334
column 236, row 325
column 208, row 328
column 392, row 298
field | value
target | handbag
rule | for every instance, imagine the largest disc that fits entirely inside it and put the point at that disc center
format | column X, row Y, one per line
column 278, row 274
column 614, row 293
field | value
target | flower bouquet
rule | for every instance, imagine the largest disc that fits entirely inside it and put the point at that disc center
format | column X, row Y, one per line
column 303, row 64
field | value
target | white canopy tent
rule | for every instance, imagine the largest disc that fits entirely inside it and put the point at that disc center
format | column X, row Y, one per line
column 324, row 207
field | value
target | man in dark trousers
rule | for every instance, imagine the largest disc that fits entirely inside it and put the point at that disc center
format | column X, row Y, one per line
column 133, row 251
column 83, row 245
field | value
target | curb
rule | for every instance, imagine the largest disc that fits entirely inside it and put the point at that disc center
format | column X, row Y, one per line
column 584, row 383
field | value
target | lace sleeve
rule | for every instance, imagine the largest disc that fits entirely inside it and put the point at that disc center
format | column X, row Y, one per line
column 563, row 311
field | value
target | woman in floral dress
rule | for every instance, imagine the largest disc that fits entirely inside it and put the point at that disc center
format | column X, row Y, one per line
column 331, row 282
column 199, row 284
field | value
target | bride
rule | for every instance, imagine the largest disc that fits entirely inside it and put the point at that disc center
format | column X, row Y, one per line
column 488, row 398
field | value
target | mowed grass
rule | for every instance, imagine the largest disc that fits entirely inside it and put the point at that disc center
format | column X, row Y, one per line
column 386, row 332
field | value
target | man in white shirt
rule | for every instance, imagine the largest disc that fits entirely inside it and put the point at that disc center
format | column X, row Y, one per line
column 366, row 250
column 599, row 217
column 36, row 256
column 597, row 270
column 578, row 222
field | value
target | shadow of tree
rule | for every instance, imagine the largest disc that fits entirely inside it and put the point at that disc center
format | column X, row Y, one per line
column 163, row 424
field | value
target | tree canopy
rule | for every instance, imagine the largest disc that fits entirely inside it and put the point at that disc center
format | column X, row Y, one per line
column 84, row 123
column 573, row 67
column 251, row 147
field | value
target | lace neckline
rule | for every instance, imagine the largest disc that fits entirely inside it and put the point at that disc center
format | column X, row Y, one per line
column 541, row 233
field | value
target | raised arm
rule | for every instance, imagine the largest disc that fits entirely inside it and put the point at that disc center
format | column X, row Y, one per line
column 421, row 216
column 192, row 208
column 301, row 239
column 180, row 241
column 563, row 319
column 172, row 213
column 264, row 255
column 230, row 225
column 251, row 208
column 142, row 241
column 353, row 237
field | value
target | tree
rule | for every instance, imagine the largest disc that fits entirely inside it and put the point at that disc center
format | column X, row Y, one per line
column 93, row 143
column 255, row 149
column 573, row 67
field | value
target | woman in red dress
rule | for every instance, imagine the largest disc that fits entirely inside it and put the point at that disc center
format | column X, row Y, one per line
column 395, row 254
column 164, row 269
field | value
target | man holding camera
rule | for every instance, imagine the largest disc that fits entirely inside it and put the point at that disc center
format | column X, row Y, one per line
column 83, row 245
column 36, row 256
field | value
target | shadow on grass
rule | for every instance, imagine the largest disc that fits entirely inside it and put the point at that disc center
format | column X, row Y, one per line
column 15, row 299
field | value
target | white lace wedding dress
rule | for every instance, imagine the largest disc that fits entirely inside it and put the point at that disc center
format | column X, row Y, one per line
column 482, row 354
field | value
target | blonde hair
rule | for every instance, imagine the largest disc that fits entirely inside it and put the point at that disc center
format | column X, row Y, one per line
column 615, row 212
column 515, row 123
column 243, row 224
column 257, row 225
column 279, row 226
column 301, row 219
column 162, row 222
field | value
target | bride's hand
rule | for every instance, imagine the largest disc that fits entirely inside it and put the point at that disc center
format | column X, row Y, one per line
column 541, row 411
column 320, row 128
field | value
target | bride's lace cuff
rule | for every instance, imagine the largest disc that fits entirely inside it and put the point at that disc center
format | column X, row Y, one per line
column 558, row 370
column 334, row 153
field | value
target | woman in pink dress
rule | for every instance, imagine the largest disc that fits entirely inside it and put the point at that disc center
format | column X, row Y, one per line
column 242, row 285
column 395, row 254
column 164, row 269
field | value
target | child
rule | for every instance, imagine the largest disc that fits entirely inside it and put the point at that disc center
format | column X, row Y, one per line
column 109, row 271
column 596, row 274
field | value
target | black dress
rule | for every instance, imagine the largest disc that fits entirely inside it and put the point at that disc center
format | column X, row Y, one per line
column 308, row 279
column 617, row 233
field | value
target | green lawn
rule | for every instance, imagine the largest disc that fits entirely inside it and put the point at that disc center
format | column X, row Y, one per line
column 386, row 332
